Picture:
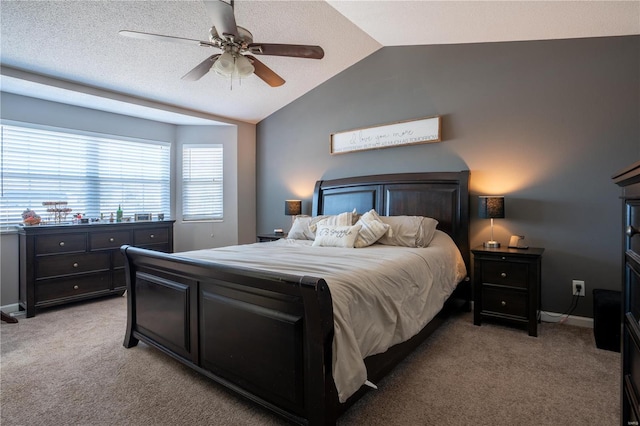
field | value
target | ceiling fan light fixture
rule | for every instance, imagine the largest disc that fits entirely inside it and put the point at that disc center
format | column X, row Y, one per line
column 225, row 64
column 244, row 67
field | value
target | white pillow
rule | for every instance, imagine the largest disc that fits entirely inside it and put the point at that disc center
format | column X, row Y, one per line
column 372, row 228
column 336, row 236
column 301, row 228
column 342, row 219
column 300, row 224
column 408, row 231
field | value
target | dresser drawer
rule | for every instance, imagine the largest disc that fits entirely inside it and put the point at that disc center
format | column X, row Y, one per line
column 505, row 273
column 633, row 220
column 150, row 236
column 66, row 264
column 505, row 302
column 72, row 287
column 109, row 240
column 60, row 243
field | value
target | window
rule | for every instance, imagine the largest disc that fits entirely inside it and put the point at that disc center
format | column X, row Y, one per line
column 202, row 182
column 93, row 174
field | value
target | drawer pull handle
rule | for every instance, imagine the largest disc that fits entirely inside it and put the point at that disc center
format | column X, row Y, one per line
column 111, row 239
column 75, row 287
column 503, row 258
column 152, row 236
column 503, row 303
column 631, row 231
column 75, row 265
column 503, row 274
column 61, row 243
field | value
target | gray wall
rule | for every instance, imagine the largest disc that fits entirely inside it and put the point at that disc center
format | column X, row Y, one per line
column 545, row 123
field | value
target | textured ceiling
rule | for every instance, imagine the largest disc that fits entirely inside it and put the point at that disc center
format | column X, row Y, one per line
column 72, row 52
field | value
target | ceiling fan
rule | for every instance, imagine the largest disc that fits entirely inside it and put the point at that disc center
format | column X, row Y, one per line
column 237, row 46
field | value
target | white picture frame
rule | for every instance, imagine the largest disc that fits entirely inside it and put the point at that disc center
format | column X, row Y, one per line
column 400, row 133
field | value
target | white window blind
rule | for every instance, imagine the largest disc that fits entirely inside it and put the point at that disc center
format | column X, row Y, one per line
column 202, row 182
column 92, row 174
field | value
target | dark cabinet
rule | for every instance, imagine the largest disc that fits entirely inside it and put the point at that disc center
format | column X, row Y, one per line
column 629, row 180
column 65, row 263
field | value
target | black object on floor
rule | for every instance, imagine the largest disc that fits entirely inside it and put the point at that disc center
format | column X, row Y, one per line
column 607, row 319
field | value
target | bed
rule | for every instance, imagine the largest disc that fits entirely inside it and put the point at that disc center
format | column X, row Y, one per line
column 267, row 332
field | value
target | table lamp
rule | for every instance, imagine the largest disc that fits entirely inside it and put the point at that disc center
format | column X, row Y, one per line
column 491, row 207
column 292, row 208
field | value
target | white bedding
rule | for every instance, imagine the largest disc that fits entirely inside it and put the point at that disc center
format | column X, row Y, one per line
column 382, row 295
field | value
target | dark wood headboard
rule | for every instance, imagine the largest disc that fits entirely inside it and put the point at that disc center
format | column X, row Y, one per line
column 443, row 196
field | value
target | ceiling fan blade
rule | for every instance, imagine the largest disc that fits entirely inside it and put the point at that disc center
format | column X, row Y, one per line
column 221, row 14
column 201, row 69
column 293, row 50
column 266, row 73
column 149, row 36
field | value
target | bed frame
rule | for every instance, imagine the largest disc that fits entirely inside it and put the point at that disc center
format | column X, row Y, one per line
column 268, row 336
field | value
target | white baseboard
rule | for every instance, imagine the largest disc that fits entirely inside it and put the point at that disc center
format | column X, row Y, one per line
column 556, row 317
column 570, row 320
column 9, row 309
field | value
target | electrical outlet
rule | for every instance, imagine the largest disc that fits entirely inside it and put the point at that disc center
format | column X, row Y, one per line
column 576, row 284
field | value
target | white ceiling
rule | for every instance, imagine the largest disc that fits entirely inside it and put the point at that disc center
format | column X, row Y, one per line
column 70, row 51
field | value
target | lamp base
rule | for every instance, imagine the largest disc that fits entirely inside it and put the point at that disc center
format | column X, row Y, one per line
column 491, row 244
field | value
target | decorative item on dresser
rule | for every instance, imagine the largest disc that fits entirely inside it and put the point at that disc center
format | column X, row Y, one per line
column 506, row 285
column 65, row 263
column 629, row 180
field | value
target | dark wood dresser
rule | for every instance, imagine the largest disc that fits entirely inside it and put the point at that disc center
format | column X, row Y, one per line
column 506, row 285
column 629, row 180
column 65, row 263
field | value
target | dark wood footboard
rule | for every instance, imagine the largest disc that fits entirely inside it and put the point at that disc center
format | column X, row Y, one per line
column 269, row 336
column 266, row 336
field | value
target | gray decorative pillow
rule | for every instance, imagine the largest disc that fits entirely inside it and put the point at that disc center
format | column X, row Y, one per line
column 408, row 231
column 336, row 236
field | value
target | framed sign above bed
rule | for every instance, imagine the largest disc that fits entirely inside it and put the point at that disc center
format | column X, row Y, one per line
column 409, row 132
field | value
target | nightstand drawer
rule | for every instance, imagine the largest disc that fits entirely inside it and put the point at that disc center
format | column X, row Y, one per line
column 505, row 273
column 505, row 302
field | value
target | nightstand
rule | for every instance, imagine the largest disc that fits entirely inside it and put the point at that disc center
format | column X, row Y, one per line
column 264, row 238
column 506, row 285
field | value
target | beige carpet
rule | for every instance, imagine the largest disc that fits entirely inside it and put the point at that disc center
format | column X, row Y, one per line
column 67, row 366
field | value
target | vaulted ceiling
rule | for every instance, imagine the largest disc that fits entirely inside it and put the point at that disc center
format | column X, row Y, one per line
column 70, row 51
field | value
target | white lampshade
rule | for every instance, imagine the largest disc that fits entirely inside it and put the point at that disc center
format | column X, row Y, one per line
column 225, row 64
column 244, row 68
